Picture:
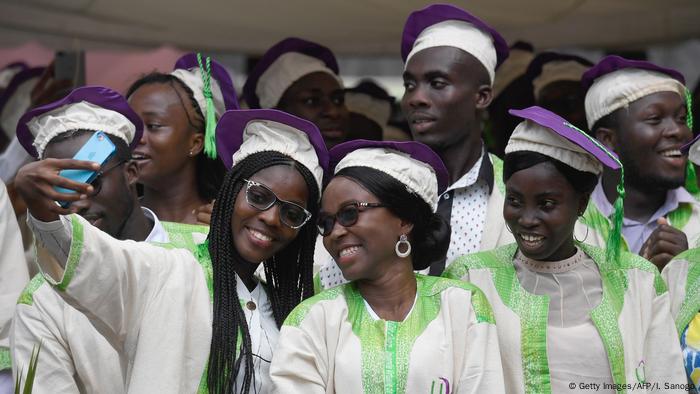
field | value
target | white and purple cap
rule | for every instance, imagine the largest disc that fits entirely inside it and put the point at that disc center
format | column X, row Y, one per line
column 446, row 25
column 411, row 163
column 90, row 107
column 283, row 64
column 616, row 82
column 9, row 71
column 241, row 133
column 547, row 133
column 549, row 67
column 16, row 98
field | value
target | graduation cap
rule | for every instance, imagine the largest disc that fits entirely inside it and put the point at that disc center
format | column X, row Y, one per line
column 549, row 67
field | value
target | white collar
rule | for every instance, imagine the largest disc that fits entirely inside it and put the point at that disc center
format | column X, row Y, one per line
column 158, row 233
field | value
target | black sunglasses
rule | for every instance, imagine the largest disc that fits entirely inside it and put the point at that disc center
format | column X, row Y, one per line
column 262, row 198
column 346, row 216
column 96, row 183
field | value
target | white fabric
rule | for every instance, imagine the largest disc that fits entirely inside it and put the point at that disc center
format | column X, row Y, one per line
column 512, row 68
column 323, row 354
column 12, row 159
column 7, row 74
column 530, row 136
column 618, row 89
column 374, row 109
column 283, row 72
column 16, row 106
column 82, row 115
column 417, row 176
column 561, row 70
column 192, row 78
column 14, row 273
column 262, row 135
column 461, row 35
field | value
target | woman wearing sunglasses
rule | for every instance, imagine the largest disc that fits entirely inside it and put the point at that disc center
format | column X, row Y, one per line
column 155, row 303
column 389, row 329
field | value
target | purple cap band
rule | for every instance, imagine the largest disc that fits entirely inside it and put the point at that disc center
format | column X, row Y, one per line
column 218, row 72
column 436, row 13
column 96, row 95
column 291, row 44
column 566, row 130
column 416, row 150
column 614, row 63
column 229, row 132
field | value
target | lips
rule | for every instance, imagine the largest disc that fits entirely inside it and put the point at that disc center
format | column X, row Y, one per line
column 139, row 156
column 421, row 122
column 259, row 237
column 346, row 253
column 672, row 155
column 531, row 241
column 333, row 134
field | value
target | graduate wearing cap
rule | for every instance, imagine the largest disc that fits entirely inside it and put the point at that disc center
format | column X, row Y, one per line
column 155, row 303
column 638, row 110
column 178, row 164
column 568, row 312
column 301, row 78
column 511, row 89
column 381, row 332
column 556, row 85
column 450, row 59
column 70, row 342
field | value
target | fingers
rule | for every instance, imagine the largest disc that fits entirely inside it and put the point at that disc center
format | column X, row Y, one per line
column 662, row 221
column 661, row 260
column 71, row 164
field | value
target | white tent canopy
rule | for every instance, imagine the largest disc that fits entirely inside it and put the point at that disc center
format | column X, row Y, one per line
column 358, row 27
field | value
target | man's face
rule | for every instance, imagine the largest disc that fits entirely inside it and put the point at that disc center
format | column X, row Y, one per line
column 113, row 201
column 443, row 93
column 650, row 133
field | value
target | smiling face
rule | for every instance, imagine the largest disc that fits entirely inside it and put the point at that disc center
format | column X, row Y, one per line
column 318, row 98
column 445, row 88
column 168, row 138
column 365, row 249
column 648, row 140
column 541, row 208
column 258, row 235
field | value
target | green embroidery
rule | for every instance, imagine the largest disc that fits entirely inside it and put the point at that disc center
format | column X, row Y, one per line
column 691, row 302
column 181, row 234
column 5, row 359
column 299, row 313
column 76, row 250
column 594, row 219
column 498, row 173
column 201, row 253
column 318, row 287
column 480, row 304
column 27, row 295
column 680, row 216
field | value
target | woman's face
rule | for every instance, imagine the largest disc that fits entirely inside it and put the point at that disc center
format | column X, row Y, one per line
column 364, row 249
column 541, row 208
column 318, row 98
column 168, row 138
column 258, row 235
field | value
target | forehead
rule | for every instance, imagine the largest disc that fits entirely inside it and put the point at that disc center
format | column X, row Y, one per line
column 442, row 59
column 285, row 181
column 155, row 96
column 316, row 81
column 668, row 100
column 541, row 178
column 66, row 148
column 341, row 190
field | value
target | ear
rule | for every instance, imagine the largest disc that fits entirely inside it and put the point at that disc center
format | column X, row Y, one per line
column 484, row 96
column 406, row 227
column 196, row 143
column 131, row 173
column 607, row 137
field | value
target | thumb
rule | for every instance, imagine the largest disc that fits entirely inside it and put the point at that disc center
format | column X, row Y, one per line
column 662, row 220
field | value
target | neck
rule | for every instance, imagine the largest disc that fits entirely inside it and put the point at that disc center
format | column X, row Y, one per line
column 640, row 203
column 137, row 225
column 392, row 294
column 461, row 157
column 175, row 199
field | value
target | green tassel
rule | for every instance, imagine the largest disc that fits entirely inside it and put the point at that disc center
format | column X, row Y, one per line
column 689, row 109
column 691, row 179
column 210, row 121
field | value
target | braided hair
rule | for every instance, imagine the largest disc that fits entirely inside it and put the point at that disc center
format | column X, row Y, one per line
column 288, row 273
column 210, row 173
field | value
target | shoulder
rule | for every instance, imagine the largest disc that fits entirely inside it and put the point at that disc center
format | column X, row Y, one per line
column 495, row 258
column 433, row 285
column 308, row 306
column 26, row 297
column 629, row 263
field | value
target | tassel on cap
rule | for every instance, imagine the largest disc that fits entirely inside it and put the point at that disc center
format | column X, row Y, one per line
column 210, row 117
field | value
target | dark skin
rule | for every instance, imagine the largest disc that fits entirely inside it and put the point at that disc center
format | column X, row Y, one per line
column 541, row 208
column 258, row 235
column 447, row 91
column 318, row 98
column 645, row 138
column 385, row 280
column 362, row 128
column 168, row 149
column 566, row 99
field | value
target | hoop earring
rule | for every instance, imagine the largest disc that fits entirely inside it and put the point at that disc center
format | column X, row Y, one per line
column 508, row 228
column 403, row 239
column 584, row 238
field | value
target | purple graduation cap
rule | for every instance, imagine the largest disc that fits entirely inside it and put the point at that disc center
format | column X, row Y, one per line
column 437, row 13
column 241, row 133
column 613, row 63
column 86, row 107
column 9, row 71
column 11, row 105
column 218, row 72
column 275, row 72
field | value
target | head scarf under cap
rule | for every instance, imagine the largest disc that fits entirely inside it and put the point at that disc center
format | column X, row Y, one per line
column 447, row 25
column 283, row 64
column 242, row 133
column 90, row 108
column 616, row 82
column 16, row 99
column 549, row 134
column 520, row 56
column 549, row 67
column 411, row 163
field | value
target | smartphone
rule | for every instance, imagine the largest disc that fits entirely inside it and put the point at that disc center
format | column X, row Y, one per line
column 99, row 149
column 70, row 65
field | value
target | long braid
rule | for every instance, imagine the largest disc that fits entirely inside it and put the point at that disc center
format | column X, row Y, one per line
column 288, row 274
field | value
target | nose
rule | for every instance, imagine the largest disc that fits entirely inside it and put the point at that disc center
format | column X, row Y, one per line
column 677, row 129
column 271, row 216
column 142, row 140
column 417, row 97
column 528, row 219
column 82, row 206
column 332, row 110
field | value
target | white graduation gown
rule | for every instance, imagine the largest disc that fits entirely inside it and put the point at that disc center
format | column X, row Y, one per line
column 331, row 343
